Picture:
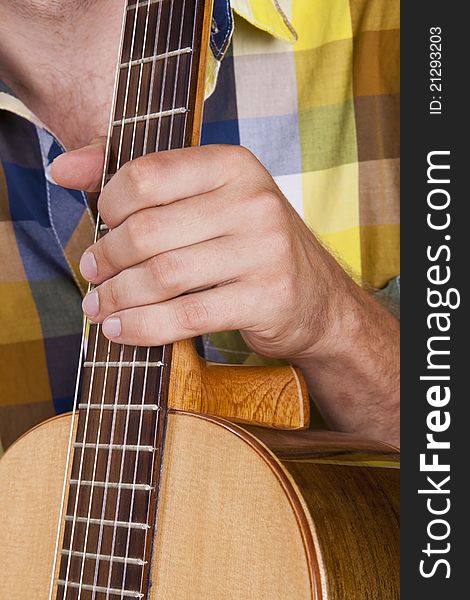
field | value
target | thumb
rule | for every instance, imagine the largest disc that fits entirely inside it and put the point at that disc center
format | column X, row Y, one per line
column 81, row 169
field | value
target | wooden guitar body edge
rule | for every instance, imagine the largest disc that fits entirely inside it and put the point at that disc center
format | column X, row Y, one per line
column 234, row 521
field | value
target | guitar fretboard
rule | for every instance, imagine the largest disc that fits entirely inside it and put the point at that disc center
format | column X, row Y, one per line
column 117, row 454
column 152, row 110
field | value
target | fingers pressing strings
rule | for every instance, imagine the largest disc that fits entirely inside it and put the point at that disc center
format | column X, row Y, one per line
column 169, row 275
column 163, row 178
column 153, row 231
column 224, row 308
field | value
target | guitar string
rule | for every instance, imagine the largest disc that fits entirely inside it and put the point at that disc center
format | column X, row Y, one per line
column 160, row 108
column 144, row 388
column 92, row 484
column 156, row 431
column 131, row 386
column 108, row 465
column 131, row 382
column 196, row 6
column 152, row 467
column 84, row 348
column 136, row 465
column 146, row 370
column 165, row 69
column 130, row 392
column 69, row 454
column 175, row 87
column 110, row 345
column 163, row 348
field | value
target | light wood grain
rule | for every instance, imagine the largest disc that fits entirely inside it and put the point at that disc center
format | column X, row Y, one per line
column 31, row 481
column 268, row 396
column 227, row 527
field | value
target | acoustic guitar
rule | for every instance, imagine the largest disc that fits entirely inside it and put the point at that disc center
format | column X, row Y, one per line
column 174, row 478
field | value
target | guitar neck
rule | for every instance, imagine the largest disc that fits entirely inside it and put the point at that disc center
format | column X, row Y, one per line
column 113, row 487
column 160, row 80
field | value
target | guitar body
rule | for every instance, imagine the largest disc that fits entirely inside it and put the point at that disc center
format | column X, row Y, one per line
column 143, row 495
column 234, row 521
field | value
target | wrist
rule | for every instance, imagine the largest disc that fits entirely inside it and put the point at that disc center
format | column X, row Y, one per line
column 346, row 317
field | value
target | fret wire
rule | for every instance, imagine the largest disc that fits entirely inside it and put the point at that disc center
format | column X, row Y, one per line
column 141, row 487
column 104, row 557
column 99, row 589
column 123, row 363
column 132, row 447
column 149, row 59
column 131, row 407
column 108, row 522
column 158, row 115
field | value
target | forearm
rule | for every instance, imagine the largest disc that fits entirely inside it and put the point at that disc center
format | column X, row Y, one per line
column 353, row 375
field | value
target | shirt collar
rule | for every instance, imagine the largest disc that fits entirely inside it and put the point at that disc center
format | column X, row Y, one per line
column 10, row 103
column 267, row 15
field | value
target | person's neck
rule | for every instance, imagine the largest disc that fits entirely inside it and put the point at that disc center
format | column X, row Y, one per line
column 60, row 61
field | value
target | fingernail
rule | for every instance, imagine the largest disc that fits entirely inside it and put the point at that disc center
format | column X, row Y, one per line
column 91, row 304
column 88, row 267
column 48, row 173
column 112, row 327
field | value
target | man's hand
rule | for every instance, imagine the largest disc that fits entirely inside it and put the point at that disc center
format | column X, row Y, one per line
column 202, row 240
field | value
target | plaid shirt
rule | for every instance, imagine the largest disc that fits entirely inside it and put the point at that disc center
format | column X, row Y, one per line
column 310, row 86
